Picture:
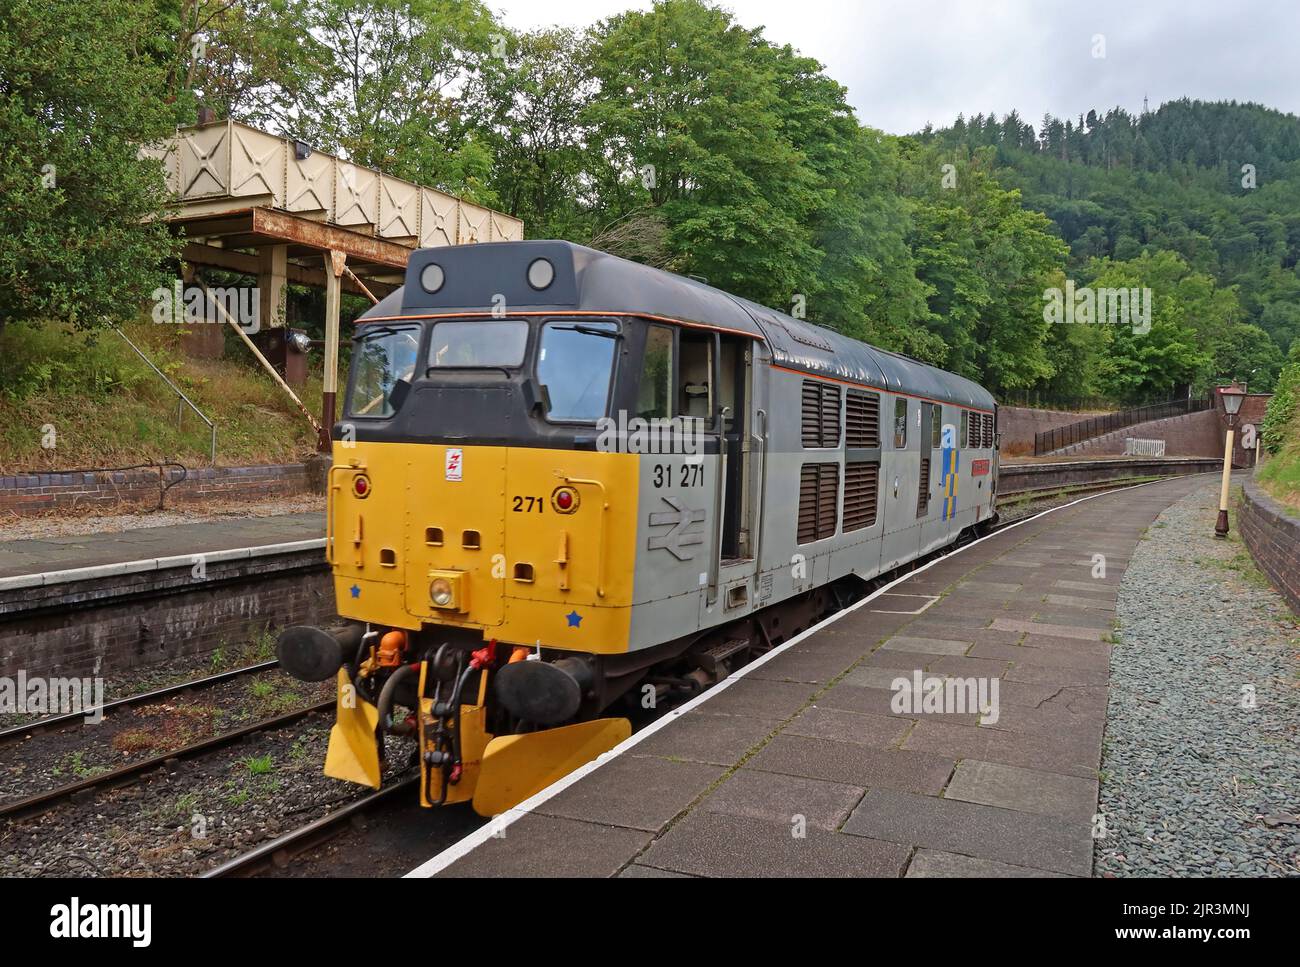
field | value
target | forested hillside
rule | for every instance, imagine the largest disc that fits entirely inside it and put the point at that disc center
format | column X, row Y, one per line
column 1217, row 184
column 678, row 137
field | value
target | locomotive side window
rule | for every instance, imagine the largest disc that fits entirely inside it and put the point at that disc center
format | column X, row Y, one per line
column 900, row 424
column 965, row 428
column 936, row 427
column 478, row 344
column 695, row 397
column 383, row 355
column 575, row 363
column 655, row 395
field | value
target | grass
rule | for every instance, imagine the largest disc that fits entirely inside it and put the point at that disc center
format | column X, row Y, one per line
column 107, row 408
column 258, row 765
column 74, row 763
column 1280, row 473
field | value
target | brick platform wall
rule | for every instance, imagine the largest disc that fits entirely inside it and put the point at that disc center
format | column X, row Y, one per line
column 124, row 621
column 26, row 494
column 1272, row 534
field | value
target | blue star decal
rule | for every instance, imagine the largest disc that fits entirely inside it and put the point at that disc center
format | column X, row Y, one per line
column 574, row 619
column 355, row 591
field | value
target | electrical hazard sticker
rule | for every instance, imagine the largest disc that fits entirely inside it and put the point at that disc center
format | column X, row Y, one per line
column 455, row 463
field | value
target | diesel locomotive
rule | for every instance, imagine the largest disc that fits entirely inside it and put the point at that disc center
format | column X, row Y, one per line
column 566, row 487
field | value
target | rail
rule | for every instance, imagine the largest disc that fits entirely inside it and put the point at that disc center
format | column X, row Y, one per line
column 1050, row 441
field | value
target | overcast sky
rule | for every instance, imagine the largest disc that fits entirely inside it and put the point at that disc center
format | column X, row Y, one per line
column 906, row 63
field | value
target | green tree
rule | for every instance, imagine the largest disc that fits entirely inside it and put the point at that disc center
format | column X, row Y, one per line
column 529, row 104
column 985, row 261
column 688, row 121
column 383, row 88
column 81, row 88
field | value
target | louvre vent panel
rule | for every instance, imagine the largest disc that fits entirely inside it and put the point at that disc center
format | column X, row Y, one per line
column 818, row 495
column 811, row 414
column 923, row 490
column 862, row 420
column 820, row 415
column 861, row 494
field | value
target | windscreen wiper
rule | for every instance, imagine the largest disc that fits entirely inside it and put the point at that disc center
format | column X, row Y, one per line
column 590, row 330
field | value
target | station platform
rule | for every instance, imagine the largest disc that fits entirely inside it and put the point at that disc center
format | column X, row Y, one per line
column 83, row 552
column 807, row 763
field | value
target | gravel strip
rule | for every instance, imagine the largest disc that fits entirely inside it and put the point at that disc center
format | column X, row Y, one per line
column 1193, row 783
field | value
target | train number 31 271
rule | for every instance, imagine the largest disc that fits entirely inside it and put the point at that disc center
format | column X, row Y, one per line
column 689, row 475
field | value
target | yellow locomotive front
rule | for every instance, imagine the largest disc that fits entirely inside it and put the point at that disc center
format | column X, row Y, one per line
column 482, row 544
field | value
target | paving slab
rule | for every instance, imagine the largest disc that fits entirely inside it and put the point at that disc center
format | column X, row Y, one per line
column 926, row 646
column 877, row 731
column 782, row 799
column 715, row 844
column 1003, row 835
column 703, row 736
column 1074, row 754
column 853, row 764
column 1028, row 790
column 547, row 846
column 936, row 864
column 635, row 791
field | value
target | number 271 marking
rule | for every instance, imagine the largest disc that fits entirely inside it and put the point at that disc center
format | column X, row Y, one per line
column 526, row 505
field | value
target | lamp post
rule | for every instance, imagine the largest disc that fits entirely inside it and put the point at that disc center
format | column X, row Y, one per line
column 1232, row 397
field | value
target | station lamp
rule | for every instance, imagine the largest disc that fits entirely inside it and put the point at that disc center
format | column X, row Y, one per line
column 1232, row 397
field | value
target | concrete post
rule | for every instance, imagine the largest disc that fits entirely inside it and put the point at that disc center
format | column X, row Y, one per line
column 335, row 263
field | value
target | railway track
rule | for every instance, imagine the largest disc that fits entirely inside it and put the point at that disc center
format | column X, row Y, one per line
column 45, row 801
column 278, row 851
column 27, row 730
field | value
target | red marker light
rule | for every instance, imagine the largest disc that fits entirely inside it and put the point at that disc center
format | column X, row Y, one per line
column 361, row 486
column 564, row 500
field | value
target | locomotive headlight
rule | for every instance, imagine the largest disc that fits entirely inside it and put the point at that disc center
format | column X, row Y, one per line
column 447, row 590
column 432, row 277
column 541, row 273
column 440, row 592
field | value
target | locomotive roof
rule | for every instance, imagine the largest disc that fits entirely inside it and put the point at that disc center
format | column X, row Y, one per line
column 586, row 280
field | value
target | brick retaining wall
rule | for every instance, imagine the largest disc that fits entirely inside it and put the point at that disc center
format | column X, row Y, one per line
column 32, row 493
column 1272, row 533
column 1018, row 424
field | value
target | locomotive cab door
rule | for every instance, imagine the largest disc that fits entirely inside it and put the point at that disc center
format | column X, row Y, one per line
column 729, row 590
column 734, row 376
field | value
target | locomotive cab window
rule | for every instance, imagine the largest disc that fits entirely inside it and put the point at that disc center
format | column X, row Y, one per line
column 900, row 424
column 383, row 355
column 965, row 428
column 575, row 364
column 936, row 427
column 478, row 344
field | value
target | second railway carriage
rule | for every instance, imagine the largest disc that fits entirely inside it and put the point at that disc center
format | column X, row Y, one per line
column 564, row 482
